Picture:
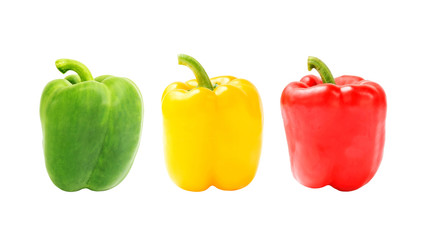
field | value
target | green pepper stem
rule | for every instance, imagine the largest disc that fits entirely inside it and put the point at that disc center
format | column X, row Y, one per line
column 325, row 73
column 200, row 73
column 73, row 79
column 64, row 65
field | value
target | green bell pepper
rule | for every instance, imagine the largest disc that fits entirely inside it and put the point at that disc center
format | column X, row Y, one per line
column 91, row 128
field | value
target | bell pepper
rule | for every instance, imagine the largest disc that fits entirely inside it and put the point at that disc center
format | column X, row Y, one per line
column 335, row 128
column 91, row 128
column 212, row 130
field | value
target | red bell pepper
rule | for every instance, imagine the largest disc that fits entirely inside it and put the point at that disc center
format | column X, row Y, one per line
column 335, row 128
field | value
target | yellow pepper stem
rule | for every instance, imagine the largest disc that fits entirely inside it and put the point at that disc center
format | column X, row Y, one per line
column 200, row 73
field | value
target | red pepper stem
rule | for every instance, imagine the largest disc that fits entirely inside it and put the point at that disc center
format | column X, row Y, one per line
column 200, row 73
column 325, row 73
column 64, row 65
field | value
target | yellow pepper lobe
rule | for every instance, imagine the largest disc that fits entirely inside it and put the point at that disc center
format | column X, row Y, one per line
column 212, row 138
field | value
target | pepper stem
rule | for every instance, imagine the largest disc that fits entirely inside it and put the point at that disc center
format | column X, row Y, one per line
column 200, row 73
column 64, row 65
column 325, row 73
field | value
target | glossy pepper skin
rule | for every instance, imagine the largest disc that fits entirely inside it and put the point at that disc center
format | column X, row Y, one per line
column 91, row 128
column 335, row 128
column 212, row 130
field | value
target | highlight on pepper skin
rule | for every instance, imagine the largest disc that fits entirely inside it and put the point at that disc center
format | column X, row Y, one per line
column 335, row 128
column 91, row 128
column 212, row 130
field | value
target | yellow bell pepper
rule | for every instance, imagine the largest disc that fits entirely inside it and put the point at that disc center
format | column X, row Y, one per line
column 212, row 130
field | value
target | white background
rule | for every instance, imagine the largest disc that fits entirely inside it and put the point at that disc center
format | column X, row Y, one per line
column 266, row 42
